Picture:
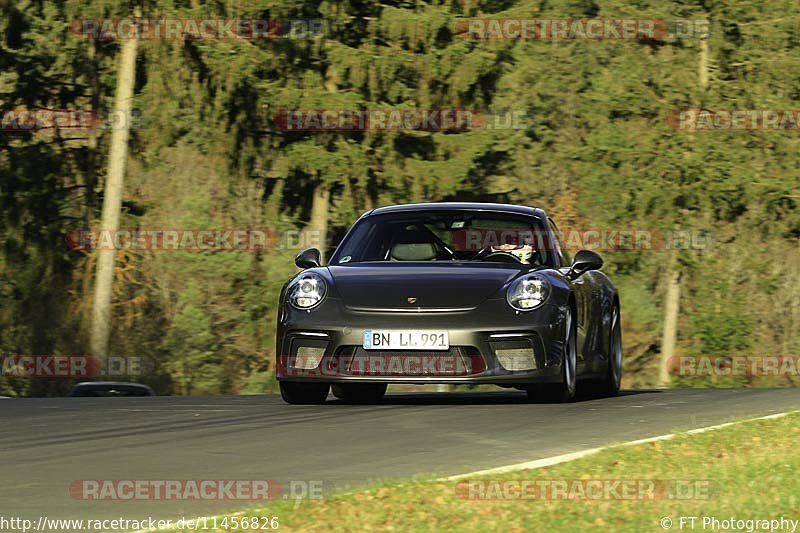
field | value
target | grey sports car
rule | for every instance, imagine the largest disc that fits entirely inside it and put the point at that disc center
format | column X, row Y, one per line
column 457, row 293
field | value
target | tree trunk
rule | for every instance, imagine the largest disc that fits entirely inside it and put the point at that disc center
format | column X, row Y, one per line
column 315, row 234
column 316, row 231
column 112, row 200
column 91, row 154
column 669, row 337
column 702, row 66
column 671, row 312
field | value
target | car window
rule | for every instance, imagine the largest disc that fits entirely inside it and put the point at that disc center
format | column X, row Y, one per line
column 446, row 236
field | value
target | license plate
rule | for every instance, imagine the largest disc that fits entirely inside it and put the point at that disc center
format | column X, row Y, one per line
column 415, row 339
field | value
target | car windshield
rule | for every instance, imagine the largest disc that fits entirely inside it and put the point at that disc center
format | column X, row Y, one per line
column 446, row 236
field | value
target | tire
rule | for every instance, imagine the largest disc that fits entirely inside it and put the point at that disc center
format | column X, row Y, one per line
column 609, row 386
column 566, row 389
column 304, row 393
column 360, row 392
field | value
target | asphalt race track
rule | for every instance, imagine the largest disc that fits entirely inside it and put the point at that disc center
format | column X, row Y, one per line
column 45, row 444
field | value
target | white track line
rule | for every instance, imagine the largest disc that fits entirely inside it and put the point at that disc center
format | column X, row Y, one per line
column 547, row 461
column 557, row 459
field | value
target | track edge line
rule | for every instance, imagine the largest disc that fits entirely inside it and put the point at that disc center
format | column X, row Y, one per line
column 564, row 458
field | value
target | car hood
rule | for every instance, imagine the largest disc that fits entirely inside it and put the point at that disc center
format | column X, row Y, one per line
column 389, row 285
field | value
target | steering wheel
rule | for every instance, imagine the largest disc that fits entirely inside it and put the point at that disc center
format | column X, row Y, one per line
column 495, row 256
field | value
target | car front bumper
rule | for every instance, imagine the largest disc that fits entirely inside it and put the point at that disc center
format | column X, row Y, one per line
column 481, row 340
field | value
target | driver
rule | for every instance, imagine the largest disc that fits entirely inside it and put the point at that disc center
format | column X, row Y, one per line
column 523, row 252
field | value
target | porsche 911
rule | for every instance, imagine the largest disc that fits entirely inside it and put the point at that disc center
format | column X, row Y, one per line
column 448, row 293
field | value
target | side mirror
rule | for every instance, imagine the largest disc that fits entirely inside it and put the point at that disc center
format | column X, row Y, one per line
column 308, row 258
column 584, row 261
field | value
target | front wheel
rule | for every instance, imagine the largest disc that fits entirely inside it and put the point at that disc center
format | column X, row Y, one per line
column 611, row 382
column 565, row 390
column 304, row 393
column 360, row 392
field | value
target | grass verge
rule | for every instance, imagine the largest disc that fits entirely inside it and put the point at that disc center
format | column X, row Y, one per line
column 745, row 471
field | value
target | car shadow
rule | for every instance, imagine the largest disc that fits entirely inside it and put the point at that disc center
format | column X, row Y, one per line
column 483, row 398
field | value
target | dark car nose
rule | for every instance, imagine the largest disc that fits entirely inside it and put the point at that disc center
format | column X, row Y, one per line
column 397, row 284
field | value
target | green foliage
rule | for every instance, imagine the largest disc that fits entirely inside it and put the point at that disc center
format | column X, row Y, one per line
column 596, row 151
column 195, row 365
column 720, row 324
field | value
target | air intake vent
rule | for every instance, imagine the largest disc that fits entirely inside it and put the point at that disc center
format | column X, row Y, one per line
column 515, row 355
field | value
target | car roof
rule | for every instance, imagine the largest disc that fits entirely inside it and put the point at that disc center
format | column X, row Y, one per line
column 460, row 206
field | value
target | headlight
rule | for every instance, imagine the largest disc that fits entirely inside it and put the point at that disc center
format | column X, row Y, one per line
column 528, row 292
column 307, row 291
